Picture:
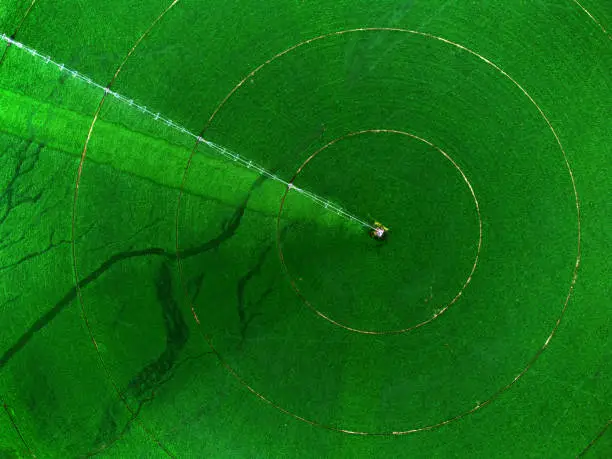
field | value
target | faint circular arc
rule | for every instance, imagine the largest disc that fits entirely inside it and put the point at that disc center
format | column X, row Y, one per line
column 578, row 213
column 457, row 295
column 73, row 227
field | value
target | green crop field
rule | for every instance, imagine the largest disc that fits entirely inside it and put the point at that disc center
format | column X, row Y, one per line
column 189, row 197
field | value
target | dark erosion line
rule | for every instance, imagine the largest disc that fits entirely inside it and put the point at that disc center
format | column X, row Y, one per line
column 47, row 317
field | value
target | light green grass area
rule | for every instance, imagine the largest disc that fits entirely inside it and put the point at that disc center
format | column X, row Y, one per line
column 159, row 299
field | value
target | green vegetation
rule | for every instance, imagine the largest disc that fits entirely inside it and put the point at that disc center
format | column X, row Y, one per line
column 157, row 313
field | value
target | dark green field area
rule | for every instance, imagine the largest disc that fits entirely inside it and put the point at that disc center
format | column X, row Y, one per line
column 163, row 296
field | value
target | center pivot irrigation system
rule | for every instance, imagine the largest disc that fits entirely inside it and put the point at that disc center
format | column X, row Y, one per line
column 375, row 229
